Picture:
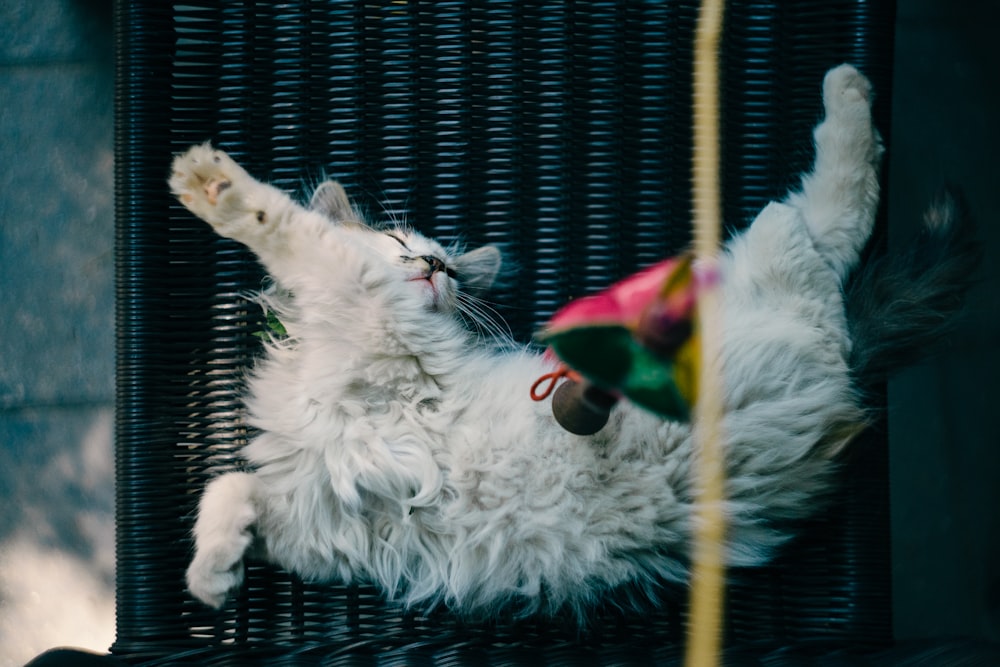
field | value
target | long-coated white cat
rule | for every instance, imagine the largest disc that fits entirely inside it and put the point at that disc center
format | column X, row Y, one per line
column 395, row 447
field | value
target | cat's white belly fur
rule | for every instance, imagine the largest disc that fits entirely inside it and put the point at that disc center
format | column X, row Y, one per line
column 395, row 450
column 508, row 496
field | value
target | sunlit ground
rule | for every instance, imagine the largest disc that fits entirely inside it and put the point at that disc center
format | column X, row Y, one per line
column 51, row 598
column 57, row 568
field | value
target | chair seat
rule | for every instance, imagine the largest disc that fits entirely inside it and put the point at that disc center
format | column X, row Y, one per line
column 560, row 131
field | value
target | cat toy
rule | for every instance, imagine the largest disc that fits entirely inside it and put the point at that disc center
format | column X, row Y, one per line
column 636, row 339
column 644, row 337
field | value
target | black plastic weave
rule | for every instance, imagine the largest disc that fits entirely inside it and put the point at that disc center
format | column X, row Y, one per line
column 559, row 130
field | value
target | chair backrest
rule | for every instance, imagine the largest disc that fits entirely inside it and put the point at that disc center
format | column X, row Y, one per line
column 560, row 130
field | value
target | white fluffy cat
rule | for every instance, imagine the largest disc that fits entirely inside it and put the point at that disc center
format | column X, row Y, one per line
column 396, row 448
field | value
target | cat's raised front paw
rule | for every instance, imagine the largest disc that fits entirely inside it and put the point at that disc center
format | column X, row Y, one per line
column 216, row 189
column 223, row 532
column 210, row 584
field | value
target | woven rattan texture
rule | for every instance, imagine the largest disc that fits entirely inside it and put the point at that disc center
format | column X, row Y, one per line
column 559, row 130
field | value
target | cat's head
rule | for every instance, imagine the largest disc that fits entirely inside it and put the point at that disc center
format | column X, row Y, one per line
column 440, row 278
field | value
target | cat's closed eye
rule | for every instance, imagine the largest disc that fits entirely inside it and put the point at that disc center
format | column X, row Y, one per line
column 397, row 240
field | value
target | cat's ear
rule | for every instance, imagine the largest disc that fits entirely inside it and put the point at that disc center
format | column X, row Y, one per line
column 477, row 269
column 332, row 201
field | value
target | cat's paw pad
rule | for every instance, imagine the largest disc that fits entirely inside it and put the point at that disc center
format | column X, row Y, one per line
column 201, row 173
column 216, row 187
column 204, row 179
column 845, row 87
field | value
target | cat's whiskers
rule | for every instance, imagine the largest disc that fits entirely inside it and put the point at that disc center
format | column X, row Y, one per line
column 484, row 319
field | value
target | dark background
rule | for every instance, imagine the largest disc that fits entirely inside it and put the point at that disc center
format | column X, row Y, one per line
column 57, row 344
column 943, row 433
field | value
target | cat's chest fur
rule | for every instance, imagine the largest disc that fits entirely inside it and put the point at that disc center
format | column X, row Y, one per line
column 350, row 392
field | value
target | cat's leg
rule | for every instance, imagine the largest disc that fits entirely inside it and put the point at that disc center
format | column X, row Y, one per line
column 285, row 236
column 223, row 532
column 839, row 197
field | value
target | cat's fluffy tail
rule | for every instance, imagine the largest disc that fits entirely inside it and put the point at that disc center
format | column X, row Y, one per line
column 901, row 305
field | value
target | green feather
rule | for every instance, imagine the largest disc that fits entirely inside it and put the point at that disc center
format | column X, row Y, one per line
column 609, row 356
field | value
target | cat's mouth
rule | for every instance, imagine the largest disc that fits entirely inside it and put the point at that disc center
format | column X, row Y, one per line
column 438, row 296
column 436, row 292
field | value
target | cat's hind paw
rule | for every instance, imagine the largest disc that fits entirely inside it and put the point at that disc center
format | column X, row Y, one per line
column 846, row 89
column 211, row 185
column 847, row 135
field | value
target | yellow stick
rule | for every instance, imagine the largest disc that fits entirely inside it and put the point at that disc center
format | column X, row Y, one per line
column 707, row 578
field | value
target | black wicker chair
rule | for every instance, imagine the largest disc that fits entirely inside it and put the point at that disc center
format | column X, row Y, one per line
column 560, row 130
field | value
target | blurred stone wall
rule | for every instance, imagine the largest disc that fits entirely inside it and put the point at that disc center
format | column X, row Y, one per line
column 56, row 327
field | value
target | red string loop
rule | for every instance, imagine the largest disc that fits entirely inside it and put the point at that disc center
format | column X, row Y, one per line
column 552, row 379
